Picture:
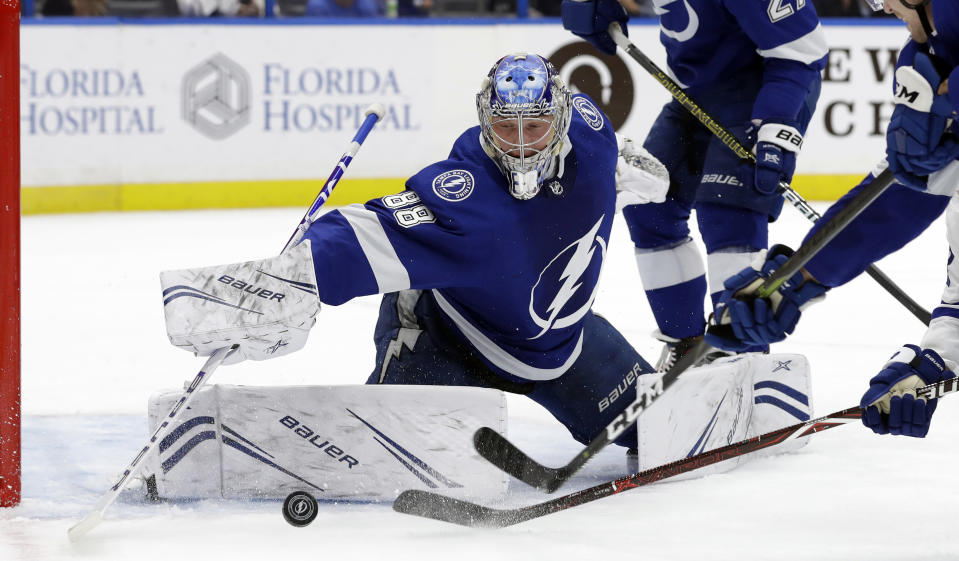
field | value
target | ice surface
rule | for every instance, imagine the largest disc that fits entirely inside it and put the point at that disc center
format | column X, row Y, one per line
column 94, row 349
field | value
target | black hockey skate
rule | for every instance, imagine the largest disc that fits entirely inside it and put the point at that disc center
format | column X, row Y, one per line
column 676, row 348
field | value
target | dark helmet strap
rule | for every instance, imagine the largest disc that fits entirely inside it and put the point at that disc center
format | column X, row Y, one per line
column 923, row 18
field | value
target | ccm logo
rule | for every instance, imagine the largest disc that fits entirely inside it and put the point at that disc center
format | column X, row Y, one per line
column 252, row 289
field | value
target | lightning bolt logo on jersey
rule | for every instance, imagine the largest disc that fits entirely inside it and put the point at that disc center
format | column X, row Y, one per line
column 568, row 304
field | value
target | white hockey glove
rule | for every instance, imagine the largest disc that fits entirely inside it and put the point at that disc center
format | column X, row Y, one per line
column 267, row 306
column 640, row 177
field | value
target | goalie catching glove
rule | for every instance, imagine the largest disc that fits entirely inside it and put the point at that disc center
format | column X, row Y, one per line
column 640, row 177
column 267, row 306
column 890, row 406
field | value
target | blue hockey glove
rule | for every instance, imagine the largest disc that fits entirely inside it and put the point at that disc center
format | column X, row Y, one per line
column 916, row 143
column 890, row 406
column 590, row 20
column 745, row 320
column 776, row 146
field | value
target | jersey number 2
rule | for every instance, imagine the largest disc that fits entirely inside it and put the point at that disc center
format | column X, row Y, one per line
column 782, row 9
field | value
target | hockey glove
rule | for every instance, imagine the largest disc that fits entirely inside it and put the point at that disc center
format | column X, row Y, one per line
column 590, row 20
column 267, row 307
column 916, row 140
column 776, row 146
column 640, row 177
column 751, row 321
column 890, row 406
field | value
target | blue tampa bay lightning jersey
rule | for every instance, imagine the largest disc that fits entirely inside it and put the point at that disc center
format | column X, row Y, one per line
column 715, row 41
column 515, row 278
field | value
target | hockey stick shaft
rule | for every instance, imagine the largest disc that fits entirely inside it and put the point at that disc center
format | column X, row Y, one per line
column 816, row 242
column 502, row 453
column 505, row 455
column 742, row 152
column 373, row 114
column 93, row 518
column 439, row 507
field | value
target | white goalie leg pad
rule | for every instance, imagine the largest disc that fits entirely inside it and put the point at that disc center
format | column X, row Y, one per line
column 706, row 408
column 337, row 442
column 782, row 396
column 266, row 306
column 728, row 401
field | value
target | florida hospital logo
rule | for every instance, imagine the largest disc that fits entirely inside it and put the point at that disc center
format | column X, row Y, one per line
column 567, row 270
column 215, row 97
column 453, row 186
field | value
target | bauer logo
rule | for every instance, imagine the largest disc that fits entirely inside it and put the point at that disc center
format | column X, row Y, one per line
column 604, row 78
column 590, row 114
column 453, row 186
column 215, row 97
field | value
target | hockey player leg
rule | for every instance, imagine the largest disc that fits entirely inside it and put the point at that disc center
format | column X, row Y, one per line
column 669, row 262
column 598, row 386
column 415, row 346
column 672, row 273
column 733, row 236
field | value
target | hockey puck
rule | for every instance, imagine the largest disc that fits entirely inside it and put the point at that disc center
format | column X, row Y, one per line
column 300, row 508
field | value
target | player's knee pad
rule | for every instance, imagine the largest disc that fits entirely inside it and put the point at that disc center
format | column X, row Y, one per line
column 722, row 403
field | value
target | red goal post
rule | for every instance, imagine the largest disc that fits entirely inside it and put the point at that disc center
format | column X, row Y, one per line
column 9, row 252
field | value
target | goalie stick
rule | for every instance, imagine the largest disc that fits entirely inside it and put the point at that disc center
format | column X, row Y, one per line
column 733, row 143
column 505, row 455
column 94, row 517
column 373, row 113
column 447, row 509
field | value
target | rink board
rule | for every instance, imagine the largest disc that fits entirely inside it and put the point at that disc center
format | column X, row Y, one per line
column 132, row 117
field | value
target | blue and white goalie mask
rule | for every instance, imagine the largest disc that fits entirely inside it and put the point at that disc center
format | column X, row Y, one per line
column 524, row 113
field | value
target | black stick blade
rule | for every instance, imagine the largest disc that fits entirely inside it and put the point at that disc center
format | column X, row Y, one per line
column 454, row 511
column 505, row 455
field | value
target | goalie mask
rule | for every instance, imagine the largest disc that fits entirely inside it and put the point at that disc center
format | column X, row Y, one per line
column 524, row 113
